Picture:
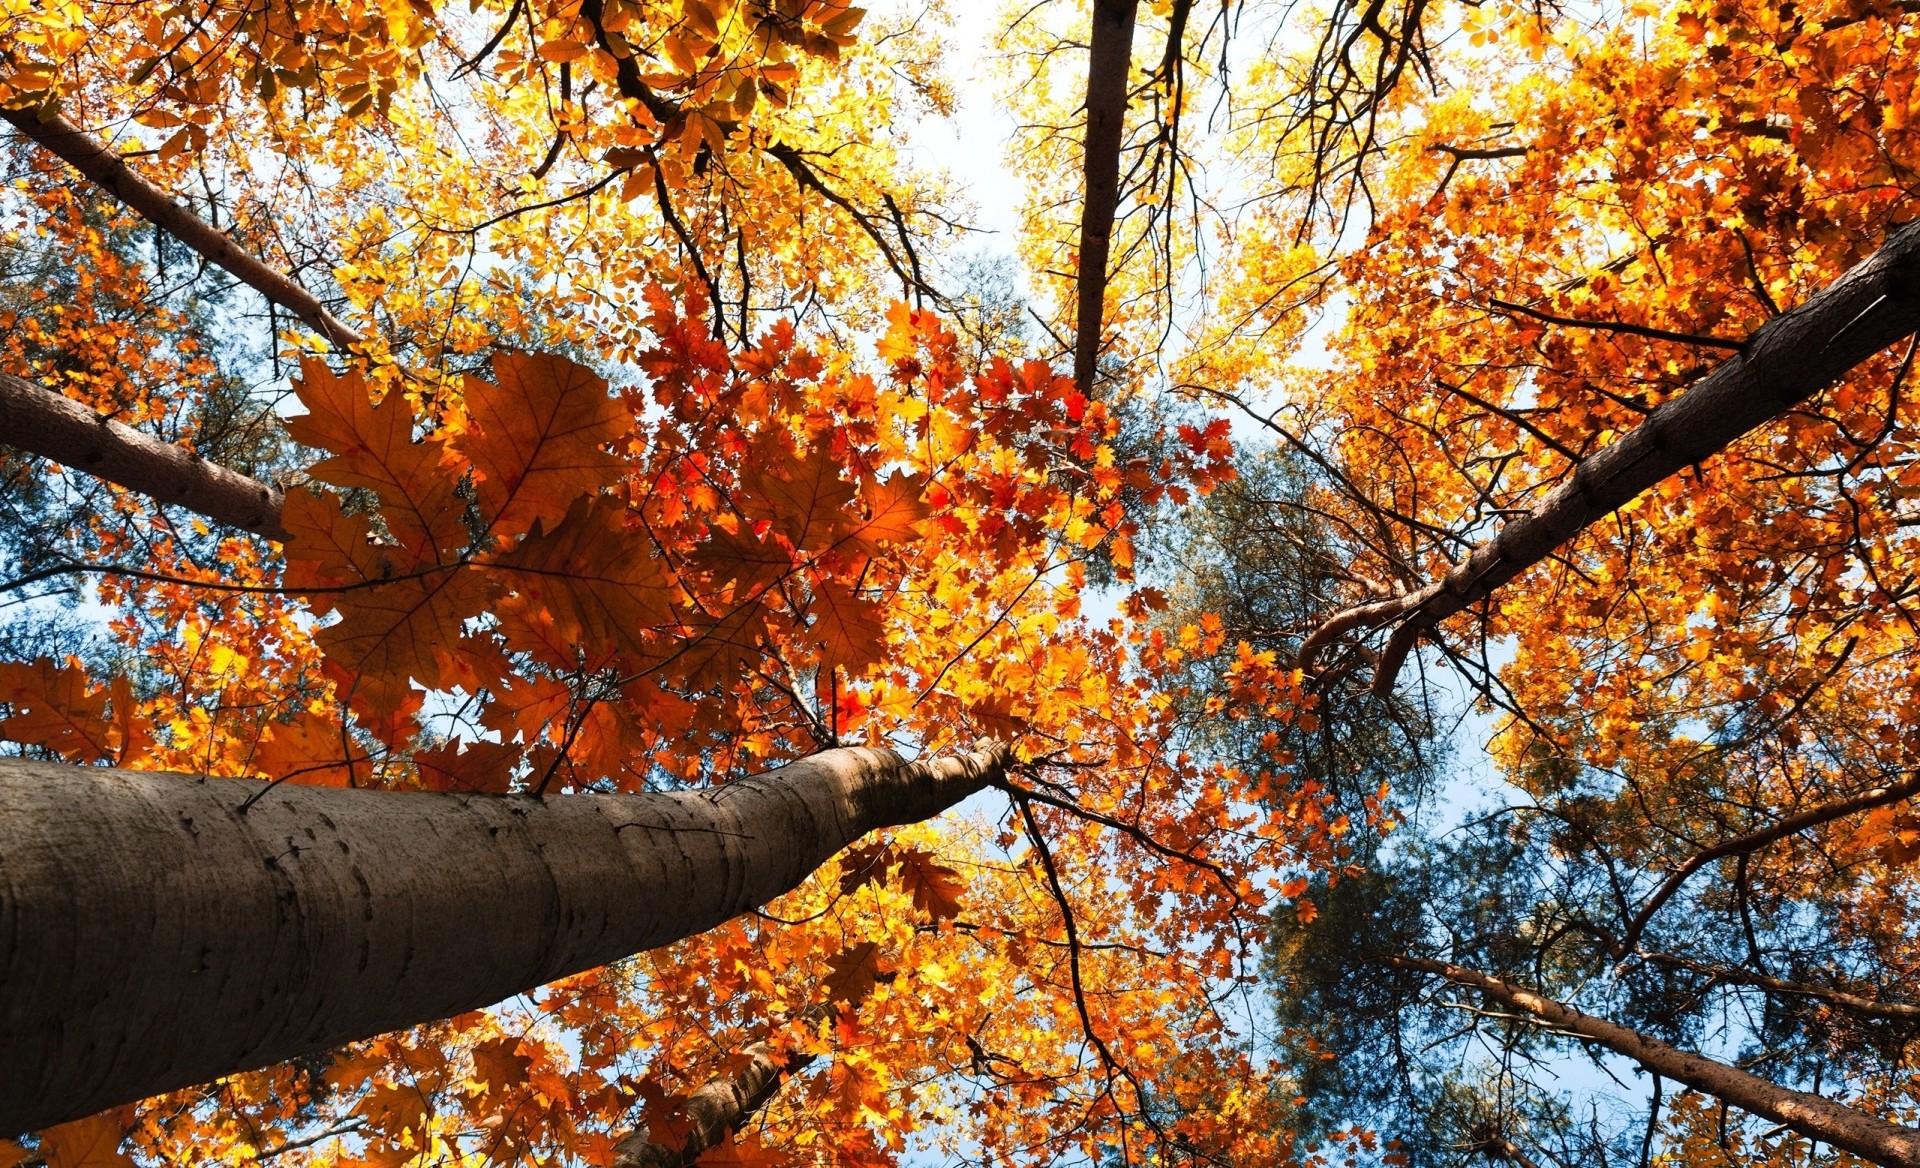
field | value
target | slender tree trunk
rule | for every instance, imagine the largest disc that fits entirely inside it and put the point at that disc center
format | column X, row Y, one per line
column 1791, row 358
column 722, row 1104
column 1813, row 1116
column 98, row 162
column 158, row 931
column 1109, row 70
column 49, row 424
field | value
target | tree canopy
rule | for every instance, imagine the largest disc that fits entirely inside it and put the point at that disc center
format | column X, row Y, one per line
column 1377, row 627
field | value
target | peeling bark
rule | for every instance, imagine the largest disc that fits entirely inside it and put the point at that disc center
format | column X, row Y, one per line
column 1813, row 1116
column 1788, row 360
column 1108, row 73
column 52, row 425
column 99, row 163
column 157, row 931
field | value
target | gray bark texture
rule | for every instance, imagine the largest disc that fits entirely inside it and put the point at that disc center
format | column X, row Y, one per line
column 158, row 931
column 1788, row 360
column 52, row 425
column 98, row 162
column 1813, row 1116
column 1109, row 70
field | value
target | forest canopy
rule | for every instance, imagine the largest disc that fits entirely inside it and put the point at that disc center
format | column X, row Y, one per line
column 567, row 598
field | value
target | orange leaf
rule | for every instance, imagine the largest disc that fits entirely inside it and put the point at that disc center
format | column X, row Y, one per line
column 539, row 439
column 93, row 1142
column 853, row 972
column 597, row 582
column 314, row 749
column 481, row 766
column 395, row 612
column 53, row 706
column 373, row 447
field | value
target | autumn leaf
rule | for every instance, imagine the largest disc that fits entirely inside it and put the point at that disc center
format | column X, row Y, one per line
column 395, row 612
column 853, row 972
column 848, row 628
column 54, row 706
column 93, row 1142
column 600, row 587
column 936, row 888
column 804, row 498
column 473, row 766
column 372, row 446
column 744, row 1152
column 313, row 748
column 537, row 439
column 499, row 1064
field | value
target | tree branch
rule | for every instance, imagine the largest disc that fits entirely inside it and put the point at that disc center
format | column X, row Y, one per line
column 52, row 425
column 1813, row 1116
column 99, row 163
column 1789, row 359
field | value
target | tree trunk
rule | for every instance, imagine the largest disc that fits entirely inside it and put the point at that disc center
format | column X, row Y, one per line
column 1109, row 70
column 158, row 931
column 1788, row 360
column 54, row 426
column 722, row 1104
column 1813, row 1116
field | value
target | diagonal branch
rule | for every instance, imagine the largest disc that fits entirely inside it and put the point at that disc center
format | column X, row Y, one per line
column 98, row 162
column 40, row 421
column 1813, row 1116
column 1745, row 845
column 1788, row 360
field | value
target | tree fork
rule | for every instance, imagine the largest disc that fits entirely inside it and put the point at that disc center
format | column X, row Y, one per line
column 1785, row 362
column 1813, row 1116
column 1109, row 69
column 157, row 931
column 52, row 425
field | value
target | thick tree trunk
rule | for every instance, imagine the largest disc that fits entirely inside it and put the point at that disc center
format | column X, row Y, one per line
column 98, row 162
column 1813, row 1116
column 1109, row 70
column 54, row 426
column 158, row 931
column 1791, row 358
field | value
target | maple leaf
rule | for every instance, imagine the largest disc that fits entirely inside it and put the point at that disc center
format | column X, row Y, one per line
column 853, row 972
column 744, row 1152
column 54, row 706
column 537, row 439
column 372, row 446
column 474, row 766
column 847, row 627
column 936, row 888
column 803, row 498
column 395, row 615
column 895, row 509
column 93, row 1142
column 499, row 1064
column 591, row 578
column 314, row 748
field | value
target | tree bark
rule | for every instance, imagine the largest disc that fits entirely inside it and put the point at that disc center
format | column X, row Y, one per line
column 98, row 162
column 52, row 425
column 1109, row 70
column 722, row 1104
column 1813, row 1116
column 1788, row 360
column 158, row 931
